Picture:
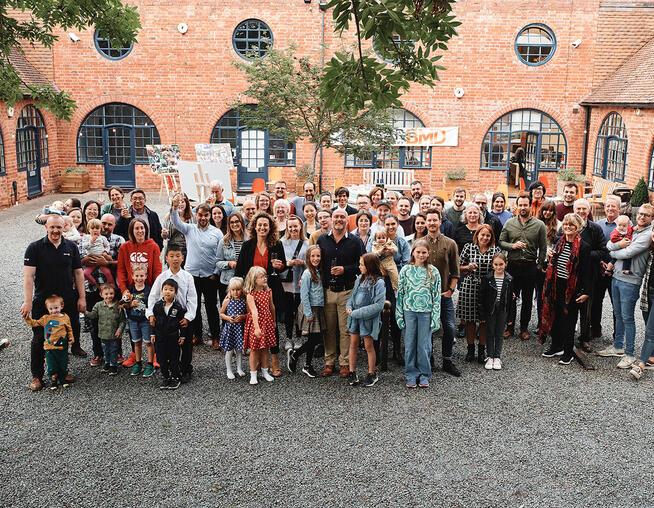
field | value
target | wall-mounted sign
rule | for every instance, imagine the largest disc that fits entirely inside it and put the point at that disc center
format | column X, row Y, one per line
column 427, row 136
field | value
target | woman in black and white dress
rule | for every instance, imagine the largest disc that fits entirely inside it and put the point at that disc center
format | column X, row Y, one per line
column 476, row 262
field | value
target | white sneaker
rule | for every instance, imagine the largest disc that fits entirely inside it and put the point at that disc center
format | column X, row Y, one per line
column 611, row 351
column 267, row 376
column 4, row 343
column 230, row 374
column 626, row 362
column 253, row 378
column 636, row 371
column 489, row 364
column 288, row 345
column 240, row 373
column 297, row 344
column 497, row 364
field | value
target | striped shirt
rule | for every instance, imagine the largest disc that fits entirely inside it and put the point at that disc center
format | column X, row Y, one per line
column 562, row 262
column 237, row 247
column 499, row 281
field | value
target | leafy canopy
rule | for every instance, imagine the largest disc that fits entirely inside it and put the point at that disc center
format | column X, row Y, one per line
column 406, row 33
column 286, row 89
column 111, row 18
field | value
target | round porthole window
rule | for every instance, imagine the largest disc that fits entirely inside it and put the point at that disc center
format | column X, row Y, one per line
column 535, row 44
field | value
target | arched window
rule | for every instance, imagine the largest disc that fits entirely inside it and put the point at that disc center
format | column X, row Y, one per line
column 535, row 132
column 281, row 152
column 115, row 127
column 31, row 139
column 611, row 149
column 396, row 157
column 3, row 167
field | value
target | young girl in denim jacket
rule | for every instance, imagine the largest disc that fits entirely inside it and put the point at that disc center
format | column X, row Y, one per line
column 311, row 313
column 364, row 309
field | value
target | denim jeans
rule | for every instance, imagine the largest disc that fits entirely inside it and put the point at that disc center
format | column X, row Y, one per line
column 625, row 298
column 139, row 331
column 449, row 326
column 417, row 346
column 648, row 344
column 110, row 350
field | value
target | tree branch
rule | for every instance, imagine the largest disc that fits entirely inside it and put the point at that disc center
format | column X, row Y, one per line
column 355, row 7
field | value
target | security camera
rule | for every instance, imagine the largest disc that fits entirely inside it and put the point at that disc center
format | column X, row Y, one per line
column 576, row 44
column 73, row 37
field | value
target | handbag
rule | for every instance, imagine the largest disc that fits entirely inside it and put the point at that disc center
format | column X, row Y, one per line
column 287, row 276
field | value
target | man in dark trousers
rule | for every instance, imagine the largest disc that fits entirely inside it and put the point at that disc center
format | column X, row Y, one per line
column 52, row 266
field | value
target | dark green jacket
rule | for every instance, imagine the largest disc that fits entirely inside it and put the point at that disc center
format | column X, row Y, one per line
column 533, row 233
column 109, row 319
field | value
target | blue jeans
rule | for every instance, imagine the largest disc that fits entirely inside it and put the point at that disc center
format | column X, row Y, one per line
column 417, row 346
column 625, row 297
column 110, row 350
column 139, row 330
column 648, row 345
column 449, row 326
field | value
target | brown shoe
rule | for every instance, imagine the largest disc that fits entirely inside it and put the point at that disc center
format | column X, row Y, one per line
column 344, row 372
column 215, row 345
column 275, row 369
column 197, row 341
column 69, row 378
column 327, row 371
column 524, row 335
column 507, row 333
column 36, row 384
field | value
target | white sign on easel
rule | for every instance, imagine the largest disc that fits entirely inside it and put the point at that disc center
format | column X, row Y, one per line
column 194, row 178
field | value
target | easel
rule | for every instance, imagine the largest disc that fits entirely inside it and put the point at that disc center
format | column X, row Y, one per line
column 202, row 183
column 169, row 181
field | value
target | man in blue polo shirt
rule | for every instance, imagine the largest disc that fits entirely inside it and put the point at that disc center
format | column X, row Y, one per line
column 52, row 266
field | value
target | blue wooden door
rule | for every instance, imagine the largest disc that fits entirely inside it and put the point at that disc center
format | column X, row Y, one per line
column 119, row 156
column 252, row 157
column 33, row 153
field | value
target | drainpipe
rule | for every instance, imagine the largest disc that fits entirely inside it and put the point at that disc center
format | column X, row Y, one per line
column 584, row 154
column 322, row 64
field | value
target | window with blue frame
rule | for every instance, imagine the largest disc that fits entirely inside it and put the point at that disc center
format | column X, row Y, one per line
column 108, row 50
column 252, row 39
column 396, row 157
column 281, row 152
column 30, row 134
column 508, row 132
column 389, row 52
column 90, row 145
column 535, row 44
column 3, row 167
column 611, row 149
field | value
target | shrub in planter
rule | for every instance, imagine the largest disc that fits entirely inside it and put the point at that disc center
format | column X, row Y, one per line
column 640, row 195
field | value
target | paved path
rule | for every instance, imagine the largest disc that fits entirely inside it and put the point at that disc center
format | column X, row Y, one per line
column 534, row 434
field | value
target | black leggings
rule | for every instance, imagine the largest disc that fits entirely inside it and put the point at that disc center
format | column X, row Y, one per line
column 313, row 339
column 287, row 311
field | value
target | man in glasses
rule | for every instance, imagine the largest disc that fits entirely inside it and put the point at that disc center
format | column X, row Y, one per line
column 625, row 286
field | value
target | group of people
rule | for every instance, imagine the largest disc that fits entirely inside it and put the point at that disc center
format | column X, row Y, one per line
column 312, row 275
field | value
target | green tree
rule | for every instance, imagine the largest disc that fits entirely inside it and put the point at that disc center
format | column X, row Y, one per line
column 640, row 195
column 286, row 89
column 406, row 33
column 112, row 18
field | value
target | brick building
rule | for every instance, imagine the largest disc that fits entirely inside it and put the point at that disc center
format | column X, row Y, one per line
column 569, row 81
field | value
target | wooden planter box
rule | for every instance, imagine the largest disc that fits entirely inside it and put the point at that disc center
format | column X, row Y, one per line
column 74, row 183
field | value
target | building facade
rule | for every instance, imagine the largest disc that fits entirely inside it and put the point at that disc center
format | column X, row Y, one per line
column 519, row 74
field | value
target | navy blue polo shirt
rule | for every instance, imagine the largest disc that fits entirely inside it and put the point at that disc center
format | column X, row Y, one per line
column 55, row 267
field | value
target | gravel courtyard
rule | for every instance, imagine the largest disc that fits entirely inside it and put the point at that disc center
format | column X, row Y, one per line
column 534, row 434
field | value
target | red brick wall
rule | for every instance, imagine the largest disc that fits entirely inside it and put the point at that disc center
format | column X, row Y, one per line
column 186, row 82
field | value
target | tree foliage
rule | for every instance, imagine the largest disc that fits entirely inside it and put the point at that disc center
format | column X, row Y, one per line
column 119, row 22
column 640, row 196
column 407, row 34
column 286, row 89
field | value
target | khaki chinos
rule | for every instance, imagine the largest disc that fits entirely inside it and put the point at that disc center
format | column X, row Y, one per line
column 336, row 318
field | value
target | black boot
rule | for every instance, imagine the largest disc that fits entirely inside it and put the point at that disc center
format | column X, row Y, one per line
column 470, row 357
column 481, row 353
column 450, row 368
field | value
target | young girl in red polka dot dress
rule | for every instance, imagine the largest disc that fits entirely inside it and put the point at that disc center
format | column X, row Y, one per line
column 260, row 324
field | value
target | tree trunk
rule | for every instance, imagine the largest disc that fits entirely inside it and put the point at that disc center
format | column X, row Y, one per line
column 313, row 167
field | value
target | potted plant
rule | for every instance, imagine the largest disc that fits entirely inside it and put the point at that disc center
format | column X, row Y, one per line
column 453, row 179
column 74, row 180
column 639, row 197
column 565, row 176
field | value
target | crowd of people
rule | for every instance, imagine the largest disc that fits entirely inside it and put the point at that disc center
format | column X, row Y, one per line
column 285, row 280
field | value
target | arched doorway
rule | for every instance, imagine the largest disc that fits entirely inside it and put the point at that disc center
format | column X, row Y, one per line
column 116, row 135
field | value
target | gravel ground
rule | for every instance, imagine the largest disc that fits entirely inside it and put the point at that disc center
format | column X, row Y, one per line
column 534, row 434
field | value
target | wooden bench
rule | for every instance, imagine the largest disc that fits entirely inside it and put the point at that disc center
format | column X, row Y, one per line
column 393, row 179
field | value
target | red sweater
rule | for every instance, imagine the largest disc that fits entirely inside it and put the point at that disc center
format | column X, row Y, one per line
column 130, row 253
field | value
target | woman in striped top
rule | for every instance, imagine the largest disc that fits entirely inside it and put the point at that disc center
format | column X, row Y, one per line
column 567, row 286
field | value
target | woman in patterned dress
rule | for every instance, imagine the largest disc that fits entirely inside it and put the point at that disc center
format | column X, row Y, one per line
column 476, row 262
